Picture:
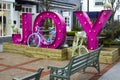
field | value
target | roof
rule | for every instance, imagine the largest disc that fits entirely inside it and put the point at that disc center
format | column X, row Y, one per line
column 69, row 1
column 61, row 4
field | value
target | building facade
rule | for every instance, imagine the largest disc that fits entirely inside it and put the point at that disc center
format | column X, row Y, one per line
column 11, row 11
column 6, row 17
column 10, row 15
column 98, row 5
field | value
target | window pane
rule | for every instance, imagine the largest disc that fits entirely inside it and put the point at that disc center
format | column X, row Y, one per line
column 4, row 6
column 0, row 5
column 23, row 10
column 98, row 2
column 8, row 6
column 26, row 9
column 30, row 10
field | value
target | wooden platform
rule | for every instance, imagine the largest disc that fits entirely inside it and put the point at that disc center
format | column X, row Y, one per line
column 107, row 55
column 45, row 53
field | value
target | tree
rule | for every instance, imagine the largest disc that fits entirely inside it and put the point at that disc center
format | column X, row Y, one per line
column 115, row 4
column 45, row 4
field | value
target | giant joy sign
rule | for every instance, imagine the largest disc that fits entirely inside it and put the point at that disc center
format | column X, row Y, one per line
column 92, row 29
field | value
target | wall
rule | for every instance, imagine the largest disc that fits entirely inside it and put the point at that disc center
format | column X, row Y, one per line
column 92, row 6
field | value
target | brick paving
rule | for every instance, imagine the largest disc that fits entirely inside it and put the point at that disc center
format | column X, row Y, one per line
column 17, row 65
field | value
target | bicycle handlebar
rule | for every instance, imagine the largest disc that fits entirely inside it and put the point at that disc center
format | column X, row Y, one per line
column 40, row 29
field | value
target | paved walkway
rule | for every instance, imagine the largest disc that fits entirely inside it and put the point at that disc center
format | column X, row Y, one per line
column 17, row 65
column 112, row 74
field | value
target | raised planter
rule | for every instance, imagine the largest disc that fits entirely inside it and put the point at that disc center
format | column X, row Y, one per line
column 45, row 53
column 109, row 55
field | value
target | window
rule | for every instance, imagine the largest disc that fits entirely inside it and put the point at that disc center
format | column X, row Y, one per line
column 67, row 21
column 4, row 6
column 24, row 10
column 98, row 2
column 8, row 6
column 0, row 5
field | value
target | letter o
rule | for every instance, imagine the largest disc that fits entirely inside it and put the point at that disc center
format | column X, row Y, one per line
column 60, row 27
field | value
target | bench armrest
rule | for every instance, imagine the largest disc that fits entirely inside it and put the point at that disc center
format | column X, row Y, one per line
column 58, row 70
column 35, row 75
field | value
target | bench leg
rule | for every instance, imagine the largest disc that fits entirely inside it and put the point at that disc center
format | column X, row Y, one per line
column 97, row 66
column 68, row 78
column 84, row 71
column 51, row 78
column 37, row 77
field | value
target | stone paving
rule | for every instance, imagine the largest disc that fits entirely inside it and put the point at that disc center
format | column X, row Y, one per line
column 16, row 65
column 112, row 74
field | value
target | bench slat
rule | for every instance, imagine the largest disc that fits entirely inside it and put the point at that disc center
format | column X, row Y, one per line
column 78, row 68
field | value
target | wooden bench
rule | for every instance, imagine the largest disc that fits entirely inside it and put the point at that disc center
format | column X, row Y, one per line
column 35, row 76
column 76, row 64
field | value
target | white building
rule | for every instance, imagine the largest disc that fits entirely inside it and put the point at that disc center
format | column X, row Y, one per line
column 97, row 5
column 10, row 11
column 24, row 6
column 6, row 16
column 66, row 10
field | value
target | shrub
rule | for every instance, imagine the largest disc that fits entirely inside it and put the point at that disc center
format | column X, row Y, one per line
column 71, row 33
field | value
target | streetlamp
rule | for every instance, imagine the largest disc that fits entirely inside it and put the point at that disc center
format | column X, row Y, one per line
column 88, row 6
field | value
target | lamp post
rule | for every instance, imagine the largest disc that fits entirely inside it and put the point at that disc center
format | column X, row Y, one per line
column 87, row 5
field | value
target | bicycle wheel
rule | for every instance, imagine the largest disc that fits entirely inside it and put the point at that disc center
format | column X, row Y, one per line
column 33, row 40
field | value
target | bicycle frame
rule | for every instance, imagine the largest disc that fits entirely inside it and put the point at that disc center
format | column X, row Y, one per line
column 43, row 39
column 40, row 38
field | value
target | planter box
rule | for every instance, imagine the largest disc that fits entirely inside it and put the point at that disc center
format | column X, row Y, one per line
column 109, row 55
column 69, row 53
column 45, row 53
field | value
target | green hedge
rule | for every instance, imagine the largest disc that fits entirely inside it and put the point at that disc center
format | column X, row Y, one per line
column 71, row 33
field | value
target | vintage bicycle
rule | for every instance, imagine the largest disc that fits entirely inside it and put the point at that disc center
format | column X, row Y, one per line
column 37, row 38
column 78, row 48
